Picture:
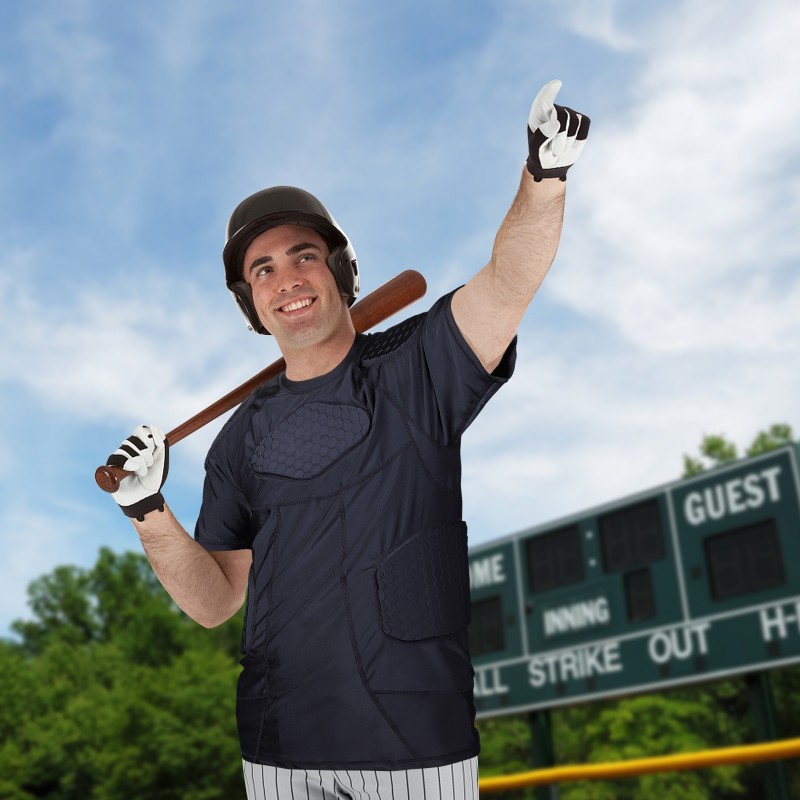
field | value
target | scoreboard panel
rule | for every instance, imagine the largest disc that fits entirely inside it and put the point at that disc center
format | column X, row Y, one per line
column 687, row 582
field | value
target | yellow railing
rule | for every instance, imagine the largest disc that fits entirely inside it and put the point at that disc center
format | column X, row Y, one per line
column 771, row 751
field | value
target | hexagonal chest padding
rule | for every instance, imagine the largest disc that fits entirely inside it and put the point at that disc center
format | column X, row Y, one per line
column 310, row 440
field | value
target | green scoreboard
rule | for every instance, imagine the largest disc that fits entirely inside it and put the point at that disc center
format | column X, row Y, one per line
column 687, row 582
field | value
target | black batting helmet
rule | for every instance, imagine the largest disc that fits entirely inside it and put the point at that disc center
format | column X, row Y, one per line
column 278, row 206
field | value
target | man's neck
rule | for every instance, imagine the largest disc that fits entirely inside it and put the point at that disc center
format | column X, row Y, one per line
column 310, row 362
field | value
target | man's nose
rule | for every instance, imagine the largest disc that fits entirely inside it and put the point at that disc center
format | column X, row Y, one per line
column 289, row 281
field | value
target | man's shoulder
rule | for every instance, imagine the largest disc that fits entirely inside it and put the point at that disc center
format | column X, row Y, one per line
column 388, row 344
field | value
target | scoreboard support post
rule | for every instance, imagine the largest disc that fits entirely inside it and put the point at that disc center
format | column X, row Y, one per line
column 543, row 751
column 762, row 706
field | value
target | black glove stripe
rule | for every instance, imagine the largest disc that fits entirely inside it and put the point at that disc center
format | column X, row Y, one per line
column 137, row 442
column 574, row 121
column 562, row 113
column 583, row 129
column 130, row 450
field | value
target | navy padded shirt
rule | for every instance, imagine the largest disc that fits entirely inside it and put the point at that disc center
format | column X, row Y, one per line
column 347, row 488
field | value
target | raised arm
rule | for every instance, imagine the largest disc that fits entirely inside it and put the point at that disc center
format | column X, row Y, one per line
column 489, row 308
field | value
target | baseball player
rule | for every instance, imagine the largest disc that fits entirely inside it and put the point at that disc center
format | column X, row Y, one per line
column 332, row 497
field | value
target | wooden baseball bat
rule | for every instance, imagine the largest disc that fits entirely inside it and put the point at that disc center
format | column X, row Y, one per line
column 386, row 300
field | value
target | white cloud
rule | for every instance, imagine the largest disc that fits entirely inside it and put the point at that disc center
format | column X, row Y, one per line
column 568, row 434
column 152, row 350
column 596, row 20
column 685, row 211
column 36, row 541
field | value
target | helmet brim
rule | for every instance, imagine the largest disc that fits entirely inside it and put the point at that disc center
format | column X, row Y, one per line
column 236, row 247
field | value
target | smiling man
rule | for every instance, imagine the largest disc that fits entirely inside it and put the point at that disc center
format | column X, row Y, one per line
column 332, row 497
column 296, row 298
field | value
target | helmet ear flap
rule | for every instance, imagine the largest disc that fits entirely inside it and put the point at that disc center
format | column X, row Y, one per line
column 243, row 295
column 344, row 266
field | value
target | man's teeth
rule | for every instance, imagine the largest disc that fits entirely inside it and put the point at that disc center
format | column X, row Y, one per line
column 295, row 306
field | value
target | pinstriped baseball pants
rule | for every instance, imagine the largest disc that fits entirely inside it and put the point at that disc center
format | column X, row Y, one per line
column 454, row 782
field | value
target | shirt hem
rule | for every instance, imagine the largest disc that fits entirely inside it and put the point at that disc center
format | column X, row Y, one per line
column 383, row 765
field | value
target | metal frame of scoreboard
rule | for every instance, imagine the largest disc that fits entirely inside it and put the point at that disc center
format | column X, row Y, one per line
column 691, row 581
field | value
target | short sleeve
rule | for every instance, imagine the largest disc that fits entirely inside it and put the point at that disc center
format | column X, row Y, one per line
column 461, row 384
column 224, row 520
column 433, row 373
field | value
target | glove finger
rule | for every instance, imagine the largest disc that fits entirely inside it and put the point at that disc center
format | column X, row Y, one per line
column 583, row 128
column 158, row 435
column 559, row 142
column 135, row 454
column 575, row 149
column 573, row 121
column 124, row 461
column 141, row 430
column 548, row 156
column 542, row 106
column 563, row 115
column 129, row 450
column 139, row 442
column 156, row 474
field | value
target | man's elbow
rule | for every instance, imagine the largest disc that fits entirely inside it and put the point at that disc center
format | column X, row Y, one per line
column 214, row 617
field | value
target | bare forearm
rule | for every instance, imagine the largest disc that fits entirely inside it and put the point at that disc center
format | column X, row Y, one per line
column 489, row 308
column 186, row 570
column 527, row 240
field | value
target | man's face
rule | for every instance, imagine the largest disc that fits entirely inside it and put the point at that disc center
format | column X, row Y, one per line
column 294, row 291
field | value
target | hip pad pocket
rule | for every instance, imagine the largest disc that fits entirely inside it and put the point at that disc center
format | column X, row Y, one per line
column 423, row 585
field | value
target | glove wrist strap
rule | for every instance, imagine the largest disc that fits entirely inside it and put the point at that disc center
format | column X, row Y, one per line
column 138, row 510
column 539, row 172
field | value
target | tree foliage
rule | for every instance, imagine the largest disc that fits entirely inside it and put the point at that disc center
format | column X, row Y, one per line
column 113, row 694
column 716, row 450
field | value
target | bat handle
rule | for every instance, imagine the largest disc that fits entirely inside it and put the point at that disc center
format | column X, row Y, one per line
column 108, row 477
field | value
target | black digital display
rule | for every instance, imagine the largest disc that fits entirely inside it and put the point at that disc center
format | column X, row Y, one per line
column 555, row 559
column 631, row 538
column 745, row 561
column 639, row 595
column 486, row 630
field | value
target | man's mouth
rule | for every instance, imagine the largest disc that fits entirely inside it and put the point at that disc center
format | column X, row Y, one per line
column 295, row 305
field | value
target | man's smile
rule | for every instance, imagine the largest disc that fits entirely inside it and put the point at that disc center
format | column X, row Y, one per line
column 296, row 305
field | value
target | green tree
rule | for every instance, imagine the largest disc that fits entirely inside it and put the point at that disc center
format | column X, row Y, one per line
column 716, row 450
column 663, row 723
column 114, row 694
column 506, row 749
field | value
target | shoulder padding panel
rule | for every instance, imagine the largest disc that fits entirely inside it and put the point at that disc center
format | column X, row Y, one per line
column 386, row 343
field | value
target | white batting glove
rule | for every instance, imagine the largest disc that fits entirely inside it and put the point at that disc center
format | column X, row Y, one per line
column 556, row 135
column 145, row 453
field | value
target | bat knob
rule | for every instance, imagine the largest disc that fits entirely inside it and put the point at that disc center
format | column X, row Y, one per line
column 108, row 478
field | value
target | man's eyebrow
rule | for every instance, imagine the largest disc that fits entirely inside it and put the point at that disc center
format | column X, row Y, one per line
column 295, row 248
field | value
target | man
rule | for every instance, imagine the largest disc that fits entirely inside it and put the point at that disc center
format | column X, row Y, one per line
column 332, row 497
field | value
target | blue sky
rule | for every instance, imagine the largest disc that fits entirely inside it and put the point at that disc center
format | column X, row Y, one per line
column 130, row 131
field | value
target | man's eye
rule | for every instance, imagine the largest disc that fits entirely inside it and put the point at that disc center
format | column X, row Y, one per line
column 307, row 256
